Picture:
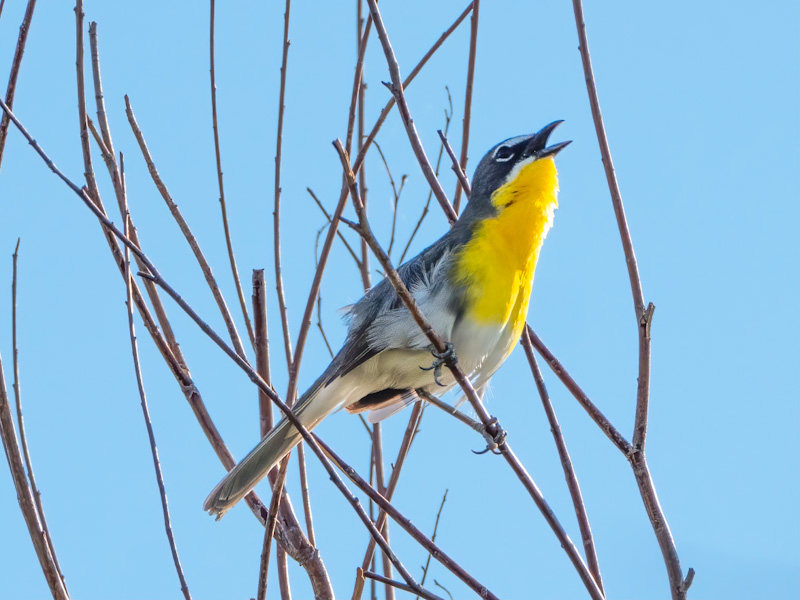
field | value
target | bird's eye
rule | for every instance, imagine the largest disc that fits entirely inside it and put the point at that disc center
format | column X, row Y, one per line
column 503, row 154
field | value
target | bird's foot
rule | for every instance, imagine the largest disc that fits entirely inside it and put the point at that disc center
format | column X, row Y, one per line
column 495, row 441
column 442, row 358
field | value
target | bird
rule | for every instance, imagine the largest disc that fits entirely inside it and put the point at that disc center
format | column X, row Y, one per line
column 473, row 285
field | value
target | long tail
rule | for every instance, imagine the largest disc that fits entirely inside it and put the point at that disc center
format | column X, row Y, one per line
column 275, row 445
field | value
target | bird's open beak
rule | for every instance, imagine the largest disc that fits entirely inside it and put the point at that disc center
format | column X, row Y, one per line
column 537, row 145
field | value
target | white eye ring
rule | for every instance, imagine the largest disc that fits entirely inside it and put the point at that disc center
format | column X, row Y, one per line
column 503, row 158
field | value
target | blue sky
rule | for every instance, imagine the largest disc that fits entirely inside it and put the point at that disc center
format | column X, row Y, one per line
column 701, row 107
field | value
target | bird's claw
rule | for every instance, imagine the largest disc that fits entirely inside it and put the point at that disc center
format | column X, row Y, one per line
column 442, row 358
column 494, row 443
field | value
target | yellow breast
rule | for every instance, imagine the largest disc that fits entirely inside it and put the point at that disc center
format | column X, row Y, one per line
column 498, row 262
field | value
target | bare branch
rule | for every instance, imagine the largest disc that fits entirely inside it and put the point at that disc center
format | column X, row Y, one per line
column 414, row 72
column 16, row 63
column 276, row 214
column 338, row 232
column 223, row 205
column 187, row 232
column 25, row 493
column 566, row 464
column 447, row 118
column 644, row 318
column 37, row 495
column 262, row 348
column 146, row 414
column 473, row 42
column 433, row 539
column 396, row 88
column 459, row 171
column 269, row 531
column 399, row 585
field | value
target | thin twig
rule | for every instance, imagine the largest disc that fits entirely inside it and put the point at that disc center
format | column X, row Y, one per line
column 473, row 42
column 146, row 414
column 276, row 214
column 269, row 531
column 25, row 494
column 312, row 440
column 187, row 233
column 395, row 195
column 400, row 586
column 338, row 232
column 566, row 464
column 292, row 536
column 459, row 171
column 37, row 495
column 447, row 118
column 377, row 454
column 16, row 63
column 644, row 317
column 406, row 524
column 262, row 348
column 306, row 495
column 283, row 573
column 396, row 88
column 223, row 205
column 433, row 539
column 106, row 146
column 357, row 105
column 414, row 72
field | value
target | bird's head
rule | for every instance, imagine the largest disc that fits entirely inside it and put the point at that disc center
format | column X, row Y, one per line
column 518, row 168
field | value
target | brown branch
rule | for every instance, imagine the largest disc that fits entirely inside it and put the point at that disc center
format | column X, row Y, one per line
column 276, row 214
column 473, row 42
column 490, row 424
column 395, row 195
column 16, row 63
column 262, row 348
column 390, row 583
column 37, row 495
column 146, row 414
column 269, row 531
column 566, row 464
column 595, row 413
column 291, row 537
column 433, row 539
column 407, row 525
column 402, row 453
column 338, row 232
column 357, row 105
column 187, row 232
column 396, row 88
column 644, row 318
column 459, row 171
column 414, row 72
column 377, row 455
column 25, row 495
column 313, row 442
column 106, row 149
column 223, row 205
column 283, row 575
column 304, row 492
column 447, row 118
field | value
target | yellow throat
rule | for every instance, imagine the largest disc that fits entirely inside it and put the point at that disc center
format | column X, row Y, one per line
column 498, row 262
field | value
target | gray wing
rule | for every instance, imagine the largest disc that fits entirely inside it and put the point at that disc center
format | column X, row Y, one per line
column 380, row 320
